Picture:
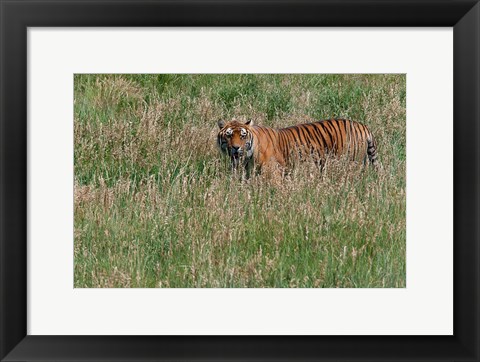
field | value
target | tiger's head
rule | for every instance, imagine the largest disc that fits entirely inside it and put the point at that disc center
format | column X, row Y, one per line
column 235, row 139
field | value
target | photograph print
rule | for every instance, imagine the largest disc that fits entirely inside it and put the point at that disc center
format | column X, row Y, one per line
column 240, row 180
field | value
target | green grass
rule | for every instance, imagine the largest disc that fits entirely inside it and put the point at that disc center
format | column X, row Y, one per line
column 157, row 206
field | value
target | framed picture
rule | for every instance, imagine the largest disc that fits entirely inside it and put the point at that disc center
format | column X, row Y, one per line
column 273, row 180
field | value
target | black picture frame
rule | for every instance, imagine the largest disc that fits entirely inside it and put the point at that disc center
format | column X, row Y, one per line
column 18, row 15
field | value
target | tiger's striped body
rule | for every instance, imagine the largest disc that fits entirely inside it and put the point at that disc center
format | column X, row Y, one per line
column 250, row 145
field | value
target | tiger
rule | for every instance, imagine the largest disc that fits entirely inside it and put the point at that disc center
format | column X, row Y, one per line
column 250, row 146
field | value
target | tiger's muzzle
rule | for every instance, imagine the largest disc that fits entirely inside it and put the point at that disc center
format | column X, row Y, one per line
column 236, row 155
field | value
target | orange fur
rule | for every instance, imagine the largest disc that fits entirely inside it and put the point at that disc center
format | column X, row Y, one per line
column 250, row 145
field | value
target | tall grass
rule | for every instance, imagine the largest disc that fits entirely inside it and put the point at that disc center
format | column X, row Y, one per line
column 157, row 206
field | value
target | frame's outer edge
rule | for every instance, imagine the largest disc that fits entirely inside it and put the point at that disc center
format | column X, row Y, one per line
column 258, row 13
column 17, row 15
column 467, row 179
column 13, row 180
column 3, row 324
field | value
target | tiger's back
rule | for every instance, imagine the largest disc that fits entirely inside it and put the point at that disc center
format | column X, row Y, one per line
column 321, row 138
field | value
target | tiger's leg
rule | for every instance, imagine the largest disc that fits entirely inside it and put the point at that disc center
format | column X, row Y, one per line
column 273, row 170
column 249, row 168
column 372, row 151
column 370, row 155
column 369, row 160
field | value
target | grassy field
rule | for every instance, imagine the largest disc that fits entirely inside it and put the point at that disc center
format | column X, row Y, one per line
column 157, row 206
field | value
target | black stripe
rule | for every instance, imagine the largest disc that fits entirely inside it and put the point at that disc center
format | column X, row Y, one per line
column 286, row 146
column 295, row 130
column 305, row 134
column 266, row 131
column 311, row 142
column 351, row 138
column 321, row 127
column 332, row 135
column 339, row 136
column 295, row 133
column 281, row 141
column 334, row 124
column 343, row 122
column 356, row 139
column 316, row 137
column 273, row 135
column 320, row 136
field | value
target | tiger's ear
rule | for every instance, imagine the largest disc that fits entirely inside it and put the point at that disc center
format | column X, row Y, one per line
column 221, row 124
column 249, row 122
